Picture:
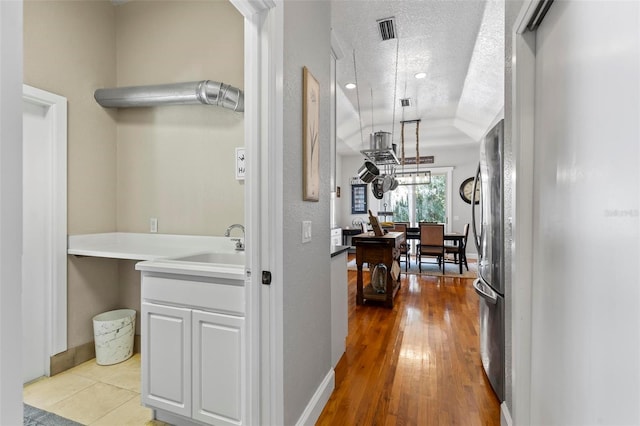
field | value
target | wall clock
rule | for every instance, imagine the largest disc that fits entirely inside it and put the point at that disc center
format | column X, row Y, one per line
column 466, row 190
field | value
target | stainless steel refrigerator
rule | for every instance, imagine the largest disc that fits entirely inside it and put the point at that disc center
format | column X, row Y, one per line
column 487, row 219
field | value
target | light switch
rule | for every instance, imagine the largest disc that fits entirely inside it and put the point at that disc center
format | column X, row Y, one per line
column 306, row 231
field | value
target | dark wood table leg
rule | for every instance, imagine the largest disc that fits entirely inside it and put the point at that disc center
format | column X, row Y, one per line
column 359, row 289
column 390, row 288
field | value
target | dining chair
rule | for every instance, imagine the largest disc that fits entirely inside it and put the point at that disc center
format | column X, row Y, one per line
column 460, row 251
column 405, row 250
column 431, row 243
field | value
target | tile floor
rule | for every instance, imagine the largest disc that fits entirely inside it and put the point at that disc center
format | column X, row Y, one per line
column 93, row 394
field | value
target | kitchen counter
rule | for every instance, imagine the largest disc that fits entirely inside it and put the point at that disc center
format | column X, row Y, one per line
column 336, row 250
column 350, row 232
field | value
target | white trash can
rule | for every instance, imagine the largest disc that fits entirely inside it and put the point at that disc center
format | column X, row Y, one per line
column 113, row 333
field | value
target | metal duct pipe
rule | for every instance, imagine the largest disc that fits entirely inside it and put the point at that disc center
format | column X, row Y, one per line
column 197, row 92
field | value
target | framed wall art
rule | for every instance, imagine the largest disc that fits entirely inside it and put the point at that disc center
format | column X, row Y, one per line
column 359, row 198
column 310, row 136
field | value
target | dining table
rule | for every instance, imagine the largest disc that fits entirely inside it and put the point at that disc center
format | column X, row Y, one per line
column 350, row 232
column 413, row 233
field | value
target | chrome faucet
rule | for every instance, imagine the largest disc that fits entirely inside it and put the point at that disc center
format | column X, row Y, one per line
column 239, row 243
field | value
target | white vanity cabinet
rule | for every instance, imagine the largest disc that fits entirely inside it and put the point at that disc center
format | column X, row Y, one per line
column 217, row 360
column 193, row 348
column 166, row 360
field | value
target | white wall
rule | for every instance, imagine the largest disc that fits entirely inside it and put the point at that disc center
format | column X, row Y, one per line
column 176, row 163
column 464, row 161
column 586, row 291
column 69, row 49
column 173, row 163
column 10, row 212
column 306, row 285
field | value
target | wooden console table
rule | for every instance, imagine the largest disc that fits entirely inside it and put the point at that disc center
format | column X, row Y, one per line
column 374, row 250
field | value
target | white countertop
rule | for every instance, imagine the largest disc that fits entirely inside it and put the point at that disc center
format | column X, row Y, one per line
column 217, row 270
column 158, row 250
column 139, row 246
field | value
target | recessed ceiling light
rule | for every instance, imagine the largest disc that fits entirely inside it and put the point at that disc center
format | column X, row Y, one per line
column 420, row 75
column 350, row 86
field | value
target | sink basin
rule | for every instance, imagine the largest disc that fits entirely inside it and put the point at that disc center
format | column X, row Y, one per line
column 220, row 258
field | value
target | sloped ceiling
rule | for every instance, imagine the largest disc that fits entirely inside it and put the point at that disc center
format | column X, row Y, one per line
column 458, row 44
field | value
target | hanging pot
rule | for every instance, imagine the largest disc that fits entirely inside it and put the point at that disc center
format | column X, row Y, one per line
column 380, row 140
column 376, row 188
column 386, row 183
column 368, row 172
column 394, row 183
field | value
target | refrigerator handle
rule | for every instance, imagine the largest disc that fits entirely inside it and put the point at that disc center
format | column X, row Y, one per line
column 485, row 291
column 476, row 236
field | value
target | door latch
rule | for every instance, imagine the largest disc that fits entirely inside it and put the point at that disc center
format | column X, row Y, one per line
column 266, row 277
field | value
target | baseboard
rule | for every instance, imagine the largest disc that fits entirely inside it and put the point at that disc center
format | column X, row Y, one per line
column 71, row 357
column 505, row 415
column 315, row 406
column 174, row 419
column 78, row 354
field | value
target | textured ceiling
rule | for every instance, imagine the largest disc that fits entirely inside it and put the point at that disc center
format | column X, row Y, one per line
column 458, row 44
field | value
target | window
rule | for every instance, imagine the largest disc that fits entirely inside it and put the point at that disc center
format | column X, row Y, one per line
column 418, row 202
column 431, row 200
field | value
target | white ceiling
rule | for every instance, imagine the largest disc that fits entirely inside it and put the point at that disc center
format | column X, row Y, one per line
column 459, row 44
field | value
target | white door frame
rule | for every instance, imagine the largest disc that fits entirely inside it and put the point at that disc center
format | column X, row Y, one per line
column 11, row 212
column 523, row 96
column 56, row 293
column 263, row 81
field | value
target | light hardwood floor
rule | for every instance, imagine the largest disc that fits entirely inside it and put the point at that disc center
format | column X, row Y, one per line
column 417, row 364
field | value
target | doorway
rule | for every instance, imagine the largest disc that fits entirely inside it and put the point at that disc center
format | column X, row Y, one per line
column 44, row 273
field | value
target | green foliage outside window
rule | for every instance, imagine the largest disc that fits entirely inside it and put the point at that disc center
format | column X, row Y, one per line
column 400, row 203
column 430, row 199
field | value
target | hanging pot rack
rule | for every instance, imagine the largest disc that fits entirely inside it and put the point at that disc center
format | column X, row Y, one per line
column 379, row 156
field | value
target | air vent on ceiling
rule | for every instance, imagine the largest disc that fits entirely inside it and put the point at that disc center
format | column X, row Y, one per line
column 387, row 27
column 406, row 102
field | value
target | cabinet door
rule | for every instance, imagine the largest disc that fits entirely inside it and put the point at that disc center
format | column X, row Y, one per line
column 166, row 358
column 218, row 368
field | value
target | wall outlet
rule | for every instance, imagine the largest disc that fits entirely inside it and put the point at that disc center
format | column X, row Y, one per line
column 306, row 231
column 153, row 224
